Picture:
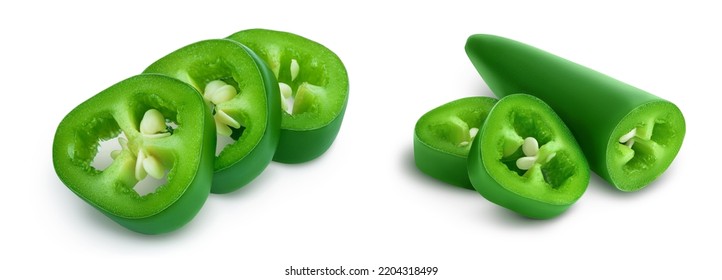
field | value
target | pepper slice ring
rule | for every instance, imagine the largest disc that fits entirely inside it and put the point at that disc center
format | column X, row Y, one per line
column 187, row 153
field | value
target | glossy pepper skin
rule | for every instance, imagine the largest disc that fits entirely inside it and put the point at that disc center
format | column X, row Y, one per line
column 598, row 109
column 559, row 175
column 188, row 151
column 255, row 108
column 443, row 136
column 315, row 79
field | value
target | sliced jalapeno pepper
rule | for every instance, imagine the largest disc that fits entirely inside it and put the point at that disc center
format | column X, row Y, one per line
column 245, row 102
column 314, row 87
column 443, row 136
column 525, row 159
column 139, row 107
column 628, row 135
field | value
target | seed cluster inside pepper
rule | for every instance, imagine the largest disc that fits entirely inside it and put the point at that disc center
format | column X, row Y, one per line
column 456, row 131
column 641, row 146
column 151, row 126
column 217, row 93
column 522, row 152
column 305, row 98
column 301, row 80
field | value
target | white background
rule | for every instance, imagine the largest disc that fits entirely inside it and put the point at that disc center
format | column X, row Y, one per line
column 363, row 204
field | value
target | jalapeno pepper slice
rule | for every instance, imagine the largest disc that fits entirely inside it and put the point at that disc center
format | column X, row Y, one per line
column 525, row 159
column 628, row 135
column 245, row 102
column 139, row 108
column 443, row 136
column 314, row 87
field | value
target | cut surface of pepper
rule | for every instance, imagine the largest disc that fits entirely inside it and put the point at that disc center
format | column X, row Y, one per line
column 314, row 88
column 525, row 159
column 138, row 108
column 244, row 99
column 443, row 136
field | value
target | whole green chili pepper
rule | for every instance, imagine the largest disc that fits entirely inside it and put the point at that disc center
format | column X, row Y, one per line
column 314, row 87
column 525, row 159
column 629, row 136
column 141, row 108
column 443, row 136
column 244, row 97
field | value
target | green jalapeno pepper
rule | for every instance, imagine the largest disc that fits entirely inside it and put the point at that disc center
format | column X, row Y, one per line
column 628, row 135
column 314, row 87
column 140, row 108
column 245, row 102
column 525, row 159
column 443, row 136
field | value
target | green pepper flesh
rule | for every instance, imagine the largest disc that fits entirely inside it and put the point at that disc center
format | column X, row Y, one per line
column 556, row 180
column 320, row 86
column 256, row 106
column 188, row 151
column 442, row 138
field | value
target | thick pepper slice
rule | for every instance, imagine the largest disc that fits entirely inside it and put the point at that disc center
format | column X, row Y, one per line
column 525, row 159
column 443, row 136
column 628, row 135
column 244, row 97
column 140, row 107
column 314, row 88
